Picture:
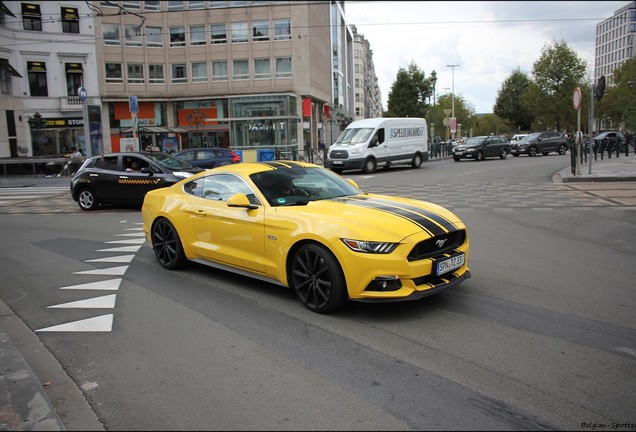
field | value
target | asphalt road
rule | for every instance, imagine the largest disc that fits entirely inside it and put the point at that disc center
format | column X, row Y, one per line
column 543, row 336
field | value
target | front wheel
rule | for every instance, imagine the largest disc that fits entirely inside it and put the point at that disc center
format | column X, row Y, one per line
column 87, row 200
column 479, row 156
column 167, row 245
column 369, row 166
column 456, row 159
column 316, row 277
column 532, row 151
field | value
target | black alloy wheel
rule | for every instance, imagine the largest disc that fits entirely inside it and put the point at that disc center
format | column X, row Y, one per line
column 532, row 151
column 87, row 200
column 562, row 149
column 316, row 277
column 167, row 245
column 479, row 155
column 504, row 154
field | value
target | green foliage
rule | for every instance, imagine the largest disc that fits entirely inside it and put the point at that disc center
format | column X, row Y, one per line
column 409, row 93
column 464, row 113
column 617, row 105
column 509, row 106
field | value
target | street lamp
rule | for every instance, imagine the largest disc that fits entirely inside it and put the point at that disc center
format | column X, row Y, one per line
column 453, row 93
column 433, row 81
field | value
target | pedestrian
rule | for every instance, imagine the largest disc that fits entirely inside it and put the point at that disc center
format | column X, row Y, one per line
column 75, row 153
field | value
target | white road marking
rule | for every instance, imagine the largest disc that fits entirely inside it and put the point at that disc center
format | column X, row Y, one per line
column 103, row 302
column 107, row 285
column 103, row 323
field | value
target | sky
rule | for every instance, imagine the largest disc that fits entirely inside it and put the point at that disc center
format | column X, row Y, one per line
column 487, row 40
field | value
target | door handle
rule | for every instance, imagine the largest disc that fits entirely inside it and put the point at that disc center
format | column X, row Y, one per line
column 200, row 212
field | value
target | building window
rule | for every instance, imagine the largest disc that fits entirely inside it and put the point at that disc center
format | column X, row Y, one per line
column 110, row 33
column 132, row 36
column 239, row 32
column 262, row 68
column 260, row 31
column 282, row 30
column 199, row 72
column 218, row 34
column 283, row 67
column 179, row 73
column 113, row 73
column 31, row 17
column 131, row 4
column 218, row 4
column 175, row 5
column 219, row 70
column 196, row 4
column 154, row 36
column 155, row 74
column 197, row 35
column 152, row 5
column 240, row 70
column 70, row 20
column 5, row 77
column 37, row 78
column 177, row 36
column 74, row 78
column 135, row 73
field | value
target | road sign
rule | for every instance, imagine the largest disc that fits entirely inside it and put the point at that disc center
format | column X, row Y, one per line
column 82, row 93
column 576, row 98
column 447, row 112
column 133, row 104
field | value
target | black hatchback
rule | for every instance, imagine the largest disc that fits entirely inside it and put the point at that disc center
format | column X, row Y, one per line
column 125, row 178
column 481, row 147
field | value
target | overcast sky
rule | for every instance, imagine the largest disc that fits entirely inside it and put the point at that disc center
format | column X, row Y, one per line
column 487, row 39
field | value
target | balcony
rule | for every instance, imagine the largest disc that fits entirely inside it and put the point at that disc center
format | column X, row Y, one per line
column 74, row 103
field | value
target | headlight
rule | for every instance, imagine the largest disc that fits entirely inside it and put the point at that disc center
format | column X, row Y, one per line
column 470, row 150
column 181, row 174
column 370, row 246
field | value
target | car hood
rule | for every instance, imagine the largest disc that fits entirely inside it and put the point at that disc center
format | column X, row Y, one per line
column 376, row 217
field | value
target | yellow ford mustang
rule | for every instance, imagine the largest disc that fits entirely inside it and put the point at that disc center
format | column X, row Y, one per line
column 302, row 226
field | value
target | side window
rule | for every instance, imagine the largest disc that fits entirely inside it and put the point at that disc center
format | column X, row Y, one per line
column 187, row 156
column 381, row 135
column 134, row 164
column 106, row 163
column 220, row 187
column 194, row 187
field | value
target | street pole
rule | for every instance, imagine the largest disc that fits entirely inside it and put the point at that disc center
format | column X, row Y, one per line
column 453, row 95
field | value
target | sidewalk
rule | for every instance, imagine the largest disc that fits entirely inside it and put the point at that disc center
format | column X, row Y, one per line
column 616, row 169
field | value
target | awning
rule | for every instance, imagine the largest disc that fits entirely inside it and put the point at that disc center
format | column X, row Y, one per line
column 4, row 64
column 155, row 129
column 5, row 10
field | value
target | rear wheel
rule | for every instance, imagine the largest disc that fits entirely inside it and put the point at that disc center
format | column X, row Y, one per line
column 369, row 166
column 167, row 245
column 417, row 161
column 87, row 200
column 504, row 154
column 316, row 277
column 562, row 149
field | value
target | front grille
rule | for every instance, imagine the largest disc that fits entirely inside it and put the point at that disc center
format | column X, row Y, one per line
column 339, row 154
column 437, row 246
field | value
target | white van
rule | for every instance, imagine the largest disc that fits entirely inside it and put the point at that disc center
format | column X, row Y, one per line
column 379, row 142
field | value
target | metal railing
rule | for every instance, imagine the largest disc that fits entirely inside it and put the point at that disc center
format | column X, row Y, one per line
column 40, row 166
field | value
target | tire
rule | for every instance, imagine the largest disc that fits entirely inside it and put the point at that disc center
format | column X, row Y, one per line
column 456, row 159
column 417, row 161
column 562, row 149
column 87, row 200
column 545, row 153
column 317, row 279
column 515, row 154
column 532, row 151
column 167, row 245
column 336, row 170
column 369, row 166
column 504, row 154
column 479, row 155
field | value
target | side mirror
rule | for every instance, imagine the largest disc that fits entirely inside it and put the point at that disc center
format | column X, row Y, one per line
column 240, row 200
column 146, row 170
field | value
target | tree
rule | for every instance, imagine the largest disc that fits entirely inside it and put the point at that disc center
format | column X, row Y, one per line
column 556, row 73
column 409, row 93
column 509, row 106
column 464, row 113
column 618, row 103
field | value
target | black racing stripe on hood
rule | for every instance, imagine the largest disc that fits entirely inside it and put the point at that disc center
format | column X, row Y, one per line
column 425, row 223
column 438, row 220
column 282, row 165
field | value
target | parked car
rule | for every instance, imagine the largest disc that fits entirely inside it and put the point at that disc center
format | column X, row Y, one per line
column 481, row 147
column 125, row 178
column 305, row 227
column 609, row 141
column 208, row 157
column 540, row 142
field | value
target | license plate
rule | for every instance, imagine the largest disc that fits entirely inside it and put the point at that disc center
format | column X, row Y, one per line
column 449, row 264
column 337, row 162
column 459, row 153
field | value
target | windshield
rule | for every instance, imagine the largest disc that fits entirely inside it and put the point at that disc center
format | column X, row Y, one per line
column 169, row 162
column 298, row 185
column 355, row 136
column 531, row 136
column 475, row 141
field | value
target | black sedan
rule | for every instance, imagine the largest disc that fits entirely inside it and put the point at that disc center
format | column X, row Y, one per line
column 209, row 157
column 481, row 147
column 125, row 178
